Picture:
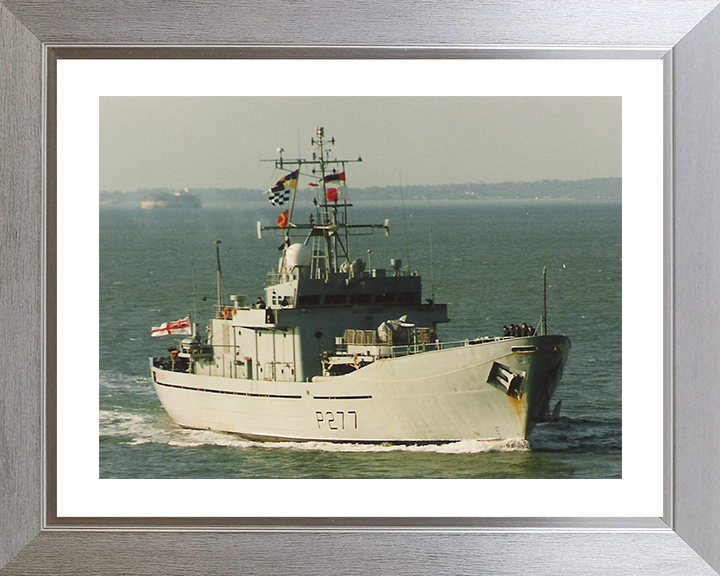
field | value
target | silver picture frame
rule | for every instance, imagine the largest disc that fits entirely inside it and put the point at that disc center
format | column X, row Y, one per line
column 684, row 34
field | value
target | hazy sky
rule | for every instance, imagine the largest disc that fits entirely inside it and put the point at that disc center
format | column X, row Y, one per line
column 178, row 142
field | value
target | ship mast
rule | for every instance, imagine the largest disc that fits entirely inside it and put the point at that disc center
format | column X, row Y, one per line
column 330, row 223
column 220, row 286
column 544, row 318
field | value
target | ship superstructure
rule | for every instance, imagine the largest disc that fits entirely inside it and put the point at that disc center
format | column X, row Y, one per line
column 339, row 351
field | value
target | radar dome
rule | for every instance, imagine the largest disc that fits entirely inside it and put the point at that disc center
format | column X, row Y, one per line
column 297, row 255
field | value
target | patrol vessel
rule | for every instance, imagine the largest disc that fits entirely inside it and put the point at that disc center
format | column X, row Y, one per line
column 340, row 352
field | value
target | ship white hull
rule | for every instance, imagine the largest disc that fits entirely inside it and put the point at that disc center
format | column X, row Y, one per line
column 439, row 396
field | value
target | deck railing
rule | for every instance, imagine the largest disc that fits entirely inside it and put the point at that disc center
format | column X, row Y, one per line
column 168, row 364
column 274, row 278
column 387, row 351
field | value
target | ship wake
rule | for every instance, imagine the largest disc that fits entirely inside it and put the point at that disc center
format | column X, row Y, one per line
column 136, row 430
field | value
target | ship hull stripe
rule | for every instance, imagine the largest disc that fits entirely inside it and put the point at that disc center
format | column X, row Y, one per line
column 342, row 397
column 232, row 392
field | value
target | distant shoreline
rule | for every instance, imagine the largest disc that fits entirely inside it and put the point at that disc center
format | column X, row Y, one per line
column 590, row 190
column 239, row 204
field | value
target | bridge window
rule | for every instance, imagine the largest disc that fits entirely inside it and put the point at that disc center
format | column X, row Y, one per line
column 335, row 299
column 408, row 297
column 385, row 297
column 360, row 298
column 309, row 300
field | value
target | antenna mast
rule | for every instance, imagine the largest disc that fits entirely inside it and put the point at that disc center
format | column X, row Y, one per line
column 194, row 316
column 544, row 301
column 220, row 287
column 331, row 228
column 432, row 258
column 407, row 241
column 330, row 256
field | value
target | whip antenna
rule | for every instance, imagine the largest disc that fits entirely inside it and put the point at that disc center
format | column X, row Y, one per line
column 220, row 287
column 407, row 242
column 544, row 300
column 194, row 317
column 432, row 258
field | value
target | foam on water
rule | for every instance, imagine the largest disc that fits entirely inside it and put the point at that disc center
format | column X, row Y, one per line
column 203, row 437
column 115, row 424
column 113, row 380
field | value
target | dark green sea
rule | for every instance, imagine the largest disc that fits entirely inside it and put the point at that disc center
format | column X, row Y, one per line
column 488, row 257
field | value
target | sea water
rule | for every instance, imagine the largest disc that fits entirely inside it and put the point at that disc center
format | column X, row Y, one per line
column 484, row 259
